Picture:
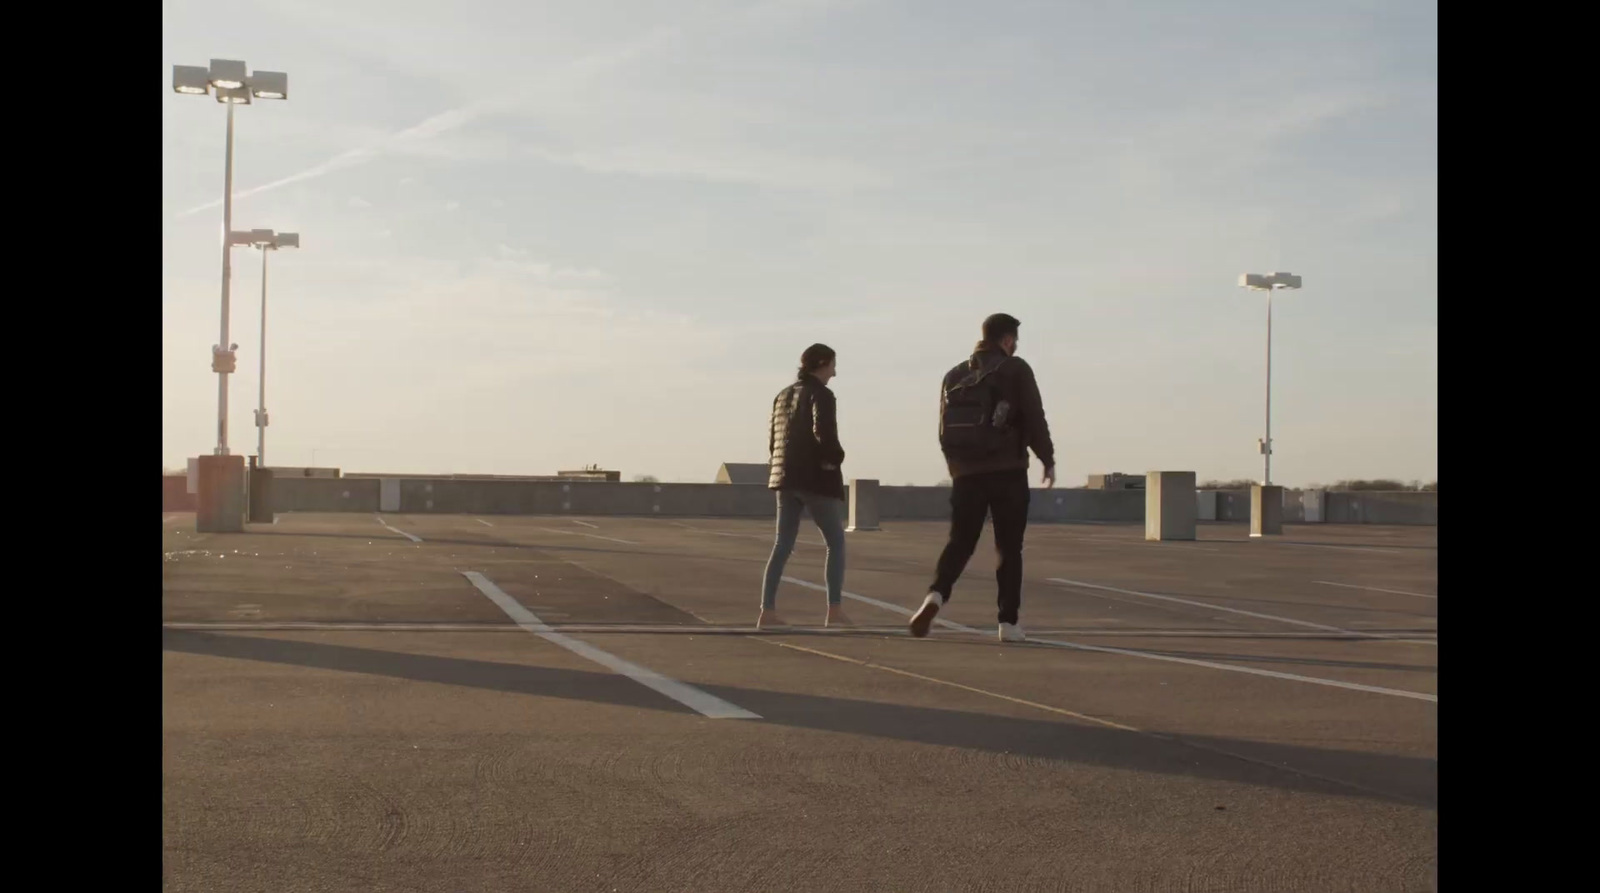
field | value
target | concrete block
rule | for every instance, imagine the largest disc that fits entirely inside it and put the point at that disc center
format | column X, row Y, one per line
column 221, row 504
column 1312, row 505
column 863, row 505
column 388, row 494
column 1169, row 505
column 1266, row 510
column 261, row 496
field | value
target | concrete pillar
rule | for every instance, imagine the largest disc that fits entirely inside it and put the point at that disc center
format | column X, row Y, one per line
column 260, row 496
column 1206, row 502
column 1266, row 510
column 863, row 505
column 220, row 507
column 388, row 494
column 1313, row 502
column 1170, row 505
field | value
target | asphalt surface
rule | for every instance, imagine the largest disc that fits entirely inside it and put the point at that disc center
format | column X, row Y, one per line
column 361, row 702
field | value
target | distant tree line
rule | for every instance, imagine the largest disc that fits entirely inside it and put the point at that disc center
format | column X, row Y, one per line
column 1382, row 484
column 1377, row 484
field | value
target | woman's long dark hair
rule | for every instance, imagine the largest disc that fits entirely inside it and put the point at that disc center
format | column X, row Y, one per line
column 815, row 357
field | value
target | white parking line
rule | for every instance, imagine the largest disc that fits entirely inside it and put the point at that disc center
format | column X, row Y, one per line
column 483, row 522
column 1116, row 541
column 764, row 537
column 1373, row 589
column 688, row 629
column 873, row 665
column 699, row 701
column 747, row 536
column 595, row 536
column 1292, row 677
column 168, row 518
column 414, row 539
column 1336, row 546
column 586, row 524
column 1208, row 606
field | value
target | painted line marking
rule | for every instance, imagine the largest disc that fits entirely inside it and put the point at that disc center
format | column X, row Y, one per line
column 888, row 669
column 1172, row 739
column 687, row 629
column 1184, row 601
column 414, row 539
column 586, row 524
column 699, row 701
column 748, row 536
column 1373, row 589
column 168, row 518
column 590, row 535
column 1336, row 546
column 1273, row 674
column 275, row 518
column 766, row 538
column 1115, row 541
column 1339, row 630
column 483, row 522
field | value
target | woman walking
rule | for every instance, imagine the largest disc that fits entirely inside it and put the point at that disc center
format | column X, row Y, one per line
column 805, row 458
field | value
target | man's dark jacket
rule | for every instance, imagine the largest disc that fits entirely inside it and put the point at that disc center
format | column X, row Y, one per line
column 1013, row 378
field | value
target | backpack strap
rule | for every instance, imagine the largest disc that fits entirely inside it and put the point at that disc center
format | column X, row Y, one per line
column 975, row 377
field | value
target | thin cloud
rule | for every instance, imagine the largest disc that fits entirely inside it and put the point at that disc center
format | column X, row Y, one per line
column 434, row 126
column 456, row 118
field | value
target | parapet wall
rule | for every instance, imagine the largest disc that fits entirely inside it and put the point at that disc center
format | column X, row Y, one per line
column 501, row 497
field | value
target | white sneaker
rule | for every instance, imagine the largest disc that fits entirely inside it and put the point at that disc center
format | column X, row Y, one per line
column 1012, row 632
column 923, row 619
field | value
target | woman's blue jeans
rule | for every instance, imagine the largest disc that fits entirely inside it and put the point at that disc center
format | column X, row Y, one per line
column 828, row 513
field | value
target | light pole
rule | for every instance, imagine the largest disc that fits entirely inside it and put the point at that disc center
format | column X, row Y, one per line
column 1267, row 283
column 266, row 240
column 232, row 84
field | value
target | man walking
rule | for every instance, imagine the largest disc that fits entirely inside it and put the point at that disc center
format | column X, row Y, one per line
column 990, row 415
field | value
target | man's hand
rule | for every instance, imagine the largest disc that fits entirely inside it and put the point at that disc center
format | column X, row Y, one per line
column 1049, row 479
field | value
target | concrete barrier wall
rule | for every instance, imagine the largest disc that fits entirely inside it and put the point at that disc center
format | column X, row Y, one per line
column 483, row 497
column 1294, row 507
column 487, row 497
column 933, row 504
column 913, row 503
column 1383, row 507
column 1087, row 505
column 324, row 495
column 1234, row 506
column 490, row 497
column 175, row 495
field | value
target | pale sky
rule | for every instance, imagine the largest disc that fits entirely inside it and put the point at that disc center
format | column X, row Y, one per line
column 540, row 235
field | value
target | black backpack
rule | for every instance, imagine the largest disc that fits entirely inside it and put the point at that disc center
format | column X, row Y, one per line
column 973, row 417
